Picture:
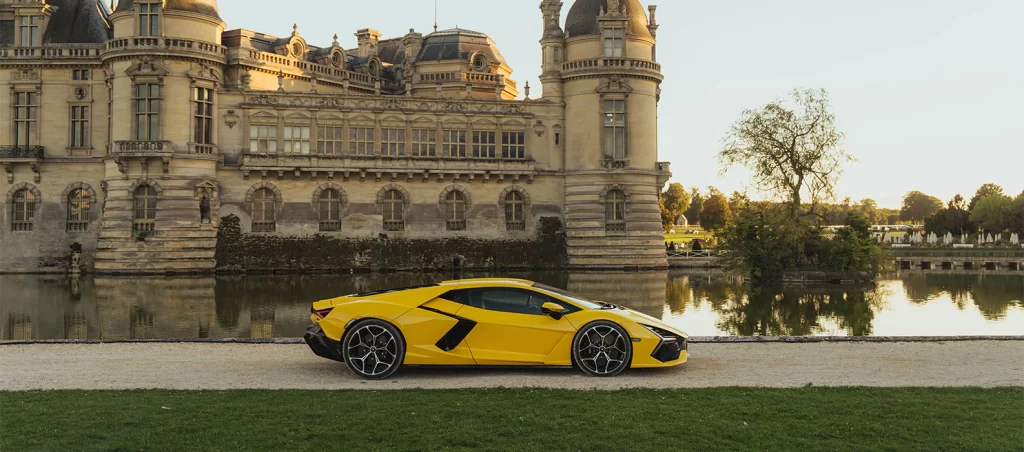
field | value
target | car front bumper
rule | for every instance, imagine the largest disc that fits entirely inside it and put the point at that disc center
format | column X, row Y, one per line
column 322, row 345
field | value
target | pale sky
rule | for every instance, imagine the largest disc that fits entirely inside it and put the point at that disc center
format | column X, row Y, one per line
column 930, row 93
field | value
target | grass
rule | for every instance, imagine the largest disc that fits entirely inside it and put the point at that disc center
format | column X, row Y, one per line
column 700, row 420
column 686, row 238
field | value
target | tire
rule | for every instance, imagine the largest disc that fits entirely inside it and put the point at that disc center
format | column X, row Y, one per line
column 373, row 349
column 602, row 349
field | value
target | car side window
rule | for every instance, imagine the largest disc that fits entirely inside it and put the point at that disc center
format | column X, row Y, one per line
column 504, row 300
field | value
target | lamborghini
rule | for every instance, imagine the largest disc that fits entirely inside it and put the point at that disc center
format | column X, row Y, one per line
column 488, row 322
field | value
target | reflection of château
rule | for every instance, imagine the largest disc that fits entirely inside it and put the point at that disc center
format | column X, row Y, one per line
column 125, row 122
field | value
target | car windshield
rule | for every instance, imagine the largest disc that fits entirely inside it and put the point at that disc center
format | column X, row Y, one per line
column 583, row 302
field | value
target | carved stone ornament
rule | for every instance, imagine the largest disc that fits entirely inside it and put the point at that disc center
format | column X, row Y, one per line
column 25, row 74
column 230, row 119
column 80, row 93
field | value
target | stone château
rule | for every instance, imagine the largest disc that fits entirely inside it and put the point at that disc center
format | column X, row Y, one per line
column 131, row 131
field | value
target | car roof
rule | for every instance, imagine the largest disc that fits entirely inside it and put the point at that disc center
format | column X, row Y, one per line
column 489, row 282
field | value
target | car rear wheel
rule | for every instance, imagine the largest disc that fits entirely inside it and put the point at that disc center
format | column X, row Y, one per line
column 373, row 349
column 602, row 349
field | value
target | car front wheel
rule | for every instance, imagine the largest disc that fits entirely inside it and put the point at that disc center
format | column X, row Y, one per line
column 602, row 349
column 373, row 349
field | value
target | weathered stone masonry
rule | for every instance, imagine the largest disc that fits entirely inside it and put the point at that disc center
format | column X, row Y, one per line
column 395, row 153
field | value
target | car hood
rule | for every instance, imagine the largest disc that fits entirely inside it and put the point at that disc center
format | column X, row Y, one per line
column 645, row 319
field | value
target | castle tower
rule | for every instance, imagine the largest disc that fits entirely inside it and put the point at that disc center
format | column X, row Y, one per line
column 166, row 64
column 553, row 50
column 610, row 83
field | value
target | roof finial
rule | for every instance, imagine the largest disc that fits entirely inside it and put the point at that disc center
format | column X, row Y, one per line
column 335, row 43
column 295, row 29
column 435, row 16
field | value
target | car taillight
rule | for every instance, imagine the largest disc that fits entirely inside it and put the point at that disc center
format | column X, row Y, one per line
column 323, row 312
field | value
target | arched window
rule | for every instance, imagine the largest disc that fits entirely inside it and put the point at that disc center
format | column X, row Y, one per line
column 455, row 211
column 330, row 211
column 264, row 211
column 394, row 211
column 615, row 211
column 515, row 219
column 145, row 209
column 78, row 210
column 23, row 209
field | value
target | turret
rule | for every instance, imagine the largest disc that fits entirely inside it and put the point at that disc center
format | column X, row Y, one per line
column 186, row 19
column 553, row 50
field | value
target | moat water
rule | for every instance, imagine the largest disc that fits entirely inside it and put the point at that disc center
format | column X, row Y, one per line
column 34, row 307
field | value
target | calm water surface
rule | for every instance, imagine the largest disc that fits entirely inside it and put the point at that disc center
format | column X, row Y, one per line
column 702, row 304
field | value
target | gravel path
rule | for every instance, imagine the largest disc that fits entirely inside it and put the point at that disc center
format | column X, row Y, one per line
column 274, row 366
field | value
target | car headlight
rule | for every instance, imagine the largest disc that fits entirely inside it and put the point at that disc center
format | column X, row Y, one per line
column 660, row 332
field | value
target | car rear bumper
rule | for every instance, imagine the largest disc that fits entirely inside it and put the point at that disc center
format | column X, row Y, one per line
column 322, row 345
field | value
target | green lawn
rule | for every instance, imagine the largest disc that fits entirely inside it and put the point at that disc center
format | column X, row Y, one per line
column 700, row 420
column 686, row 238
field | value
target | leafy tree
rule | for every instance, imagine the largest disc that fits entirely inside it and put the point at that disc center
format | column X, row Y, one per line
column 791, row 151
column 667, row 220
column 868, row 209
column 983, row 191
column 696, row 205
column 675, row 201
column 1016, row 220
column 993, row 213
column 716, row 214
column 917, row 206
column 954, row 218
column 738, row 202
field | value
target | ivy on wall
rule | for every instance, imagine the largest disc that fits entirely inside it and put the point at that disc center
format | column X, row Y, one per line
column 237, row 252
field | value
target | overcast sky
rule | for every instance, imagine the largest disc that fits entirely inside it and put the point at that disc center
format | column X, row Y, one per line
column 930, row 93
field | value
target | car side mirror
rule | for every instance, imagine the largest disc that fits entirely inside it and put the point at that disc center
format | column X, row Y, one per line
column 555, row 310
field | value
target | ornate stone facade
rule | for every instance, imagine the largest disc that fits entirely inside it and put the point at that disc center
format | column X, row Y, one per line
column 135, row 134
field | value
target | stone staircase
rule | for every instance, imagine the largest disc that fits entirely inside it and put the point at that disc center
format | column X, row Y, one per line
column 180, row 250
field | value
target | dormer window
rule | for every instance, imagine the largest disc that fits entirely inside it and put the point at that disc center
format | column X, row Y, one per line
column 29, row 30
column 614, row 45
column 480, row 63
column 149, row 19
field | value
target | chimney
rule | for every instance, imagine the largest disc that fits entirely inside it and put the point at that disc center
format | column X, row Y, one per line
column 367, row 39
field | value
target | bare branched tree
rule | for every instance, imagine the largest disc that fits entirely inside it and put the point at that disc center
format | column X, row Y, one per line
column 790, row 151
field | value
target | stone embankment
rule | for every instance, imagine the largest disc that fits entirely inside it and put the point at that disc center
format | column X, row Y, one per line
column 779, row 363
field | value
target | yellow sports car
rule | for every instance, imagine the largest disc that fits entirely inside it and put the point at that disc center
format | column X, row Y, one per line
column 488, row 322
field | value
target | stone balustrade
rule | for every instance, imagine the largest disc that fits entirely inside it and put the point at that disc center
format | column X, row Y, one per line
column 307, row 66
column 52, row 52
column 465, row 77
column 21, row 152
column 147, row 44
column 617, row 65
column 390, row 167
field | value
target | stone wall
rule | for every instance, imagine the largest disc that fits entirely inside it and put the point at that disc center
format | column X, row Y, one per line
column 238, row 252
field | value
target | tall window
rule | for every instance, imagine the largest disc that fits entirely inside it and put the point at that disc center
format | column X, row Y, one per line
column 264, row 211
column 360, row 140
column 615, row 129
column 145, row 209
column 147, row 112
column 394, row 211
column 483, row 145
column 558, row 55
column 455, row 211
column 330, row 211
column 613, row 43
column 204, row 115
column 30, row 31
column 149, row 19
column 515, row 207
column 80, row 126
column 615, row 211
column 78, row 211
column 22, row 211
column 454, row 144
column 263, row 139
column 296, row 140
column 392, row 142
column 329, row 140
column 513, row 145
column 424, row 142
column 26, row 114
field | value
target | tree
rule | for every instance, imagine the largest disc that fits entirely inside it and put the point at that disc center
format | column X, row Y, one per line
column 983, row 191
column 868, row 209
column 716, row 214
column 917, row 206
column 696, row 205
column 993, row 213
column 677, row 200
column 954, row 218
column 789, row 151
column 1016, row 220
column 738, row 202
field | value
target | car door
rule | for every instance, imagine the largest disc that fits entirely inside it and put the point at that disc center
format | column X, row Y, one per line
column 510, row 327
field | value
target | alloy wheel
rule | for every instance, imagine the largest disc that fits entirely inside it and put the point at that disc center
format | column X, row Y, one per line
column 372, row 350
column 603, row 349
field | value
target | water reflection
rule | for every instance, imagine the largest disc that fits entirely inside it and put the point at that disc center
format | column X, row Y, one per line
column 702, row 303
